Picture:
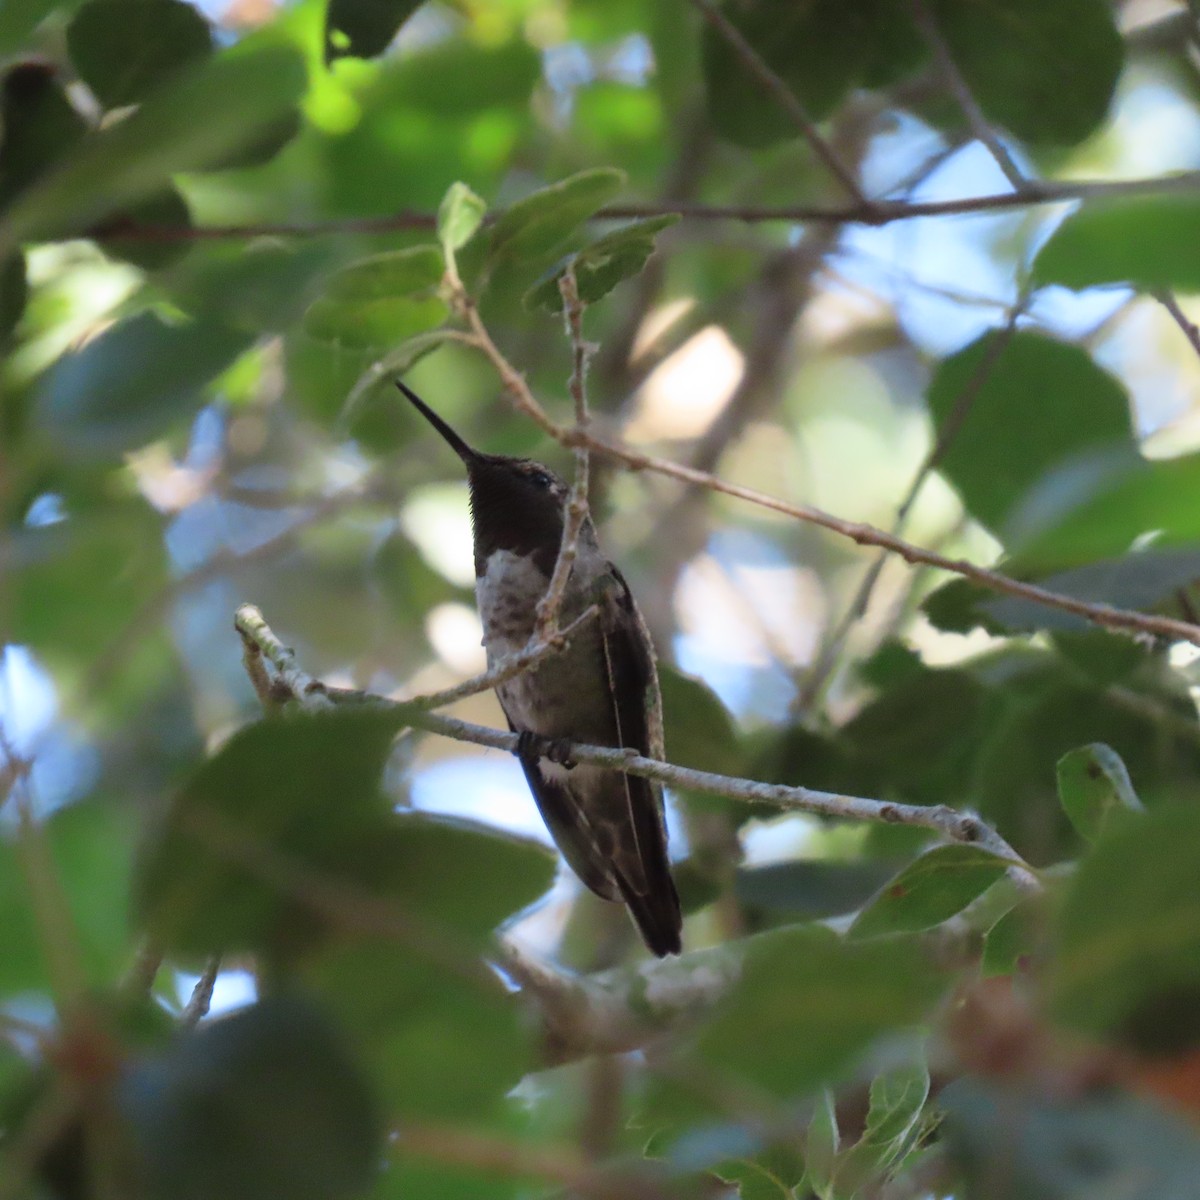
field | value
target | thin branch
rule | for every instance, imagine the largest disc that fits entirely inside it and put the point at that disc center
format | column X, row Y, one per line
column 197, row 1007
column 1166, row 298
column 783, row 95
column 1104, row 615
column 941, row 819
column 577, row 506
column 953, row 79
column 869, row 212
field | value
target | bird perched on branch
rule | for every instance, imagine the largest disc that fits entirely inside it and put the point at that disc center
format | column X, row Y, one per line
column 601, row 688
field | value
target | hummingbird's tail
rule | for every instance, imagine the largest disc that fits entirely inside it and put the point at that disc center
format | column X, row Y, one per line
column 656, row 913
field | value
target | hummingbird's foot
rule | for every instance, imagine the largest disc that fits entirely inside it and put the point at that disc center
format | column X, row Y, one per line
column 534, row 745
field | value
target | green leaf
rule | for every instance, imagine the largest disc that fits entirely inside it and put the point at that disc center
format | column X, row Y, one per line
column 381, row 300
column 1092, row 785
column 807, row 1003
column 364, row 28
column 459, row 216
column 265, row 1104
column 544, row 220
column 811, row 888
column 1035, row 405
column 91, row 846
column 40, row 126
column 1129, row 933
column 440, row 1045
column 821, row 1147
column 1140, row 580
column 602, row 264
column 124, row 49
column 1148, row 242
column 240, row 94
column 457, row 874
column 1046, row 72
column 893, row 1122
column 396, row 273
column 14, row 291
column 703, row 735
column 133, row 383
column 1016, row 936
column 929, row 891
column 166, row 211
column 304, row 787
column 1097, row 1143
column 365, row 324
column 820, row 49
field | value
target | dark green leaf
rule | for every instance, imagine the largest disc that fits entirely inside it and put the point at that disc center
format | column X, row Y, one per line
column 1129, row 931
column 1015, row 937
column 1046, row 72
column 807, row 1003
column 18, row 18
column 166, row 212
column 544, row 220
column 303, row 788
column 124, row 49
column 701, row 731
column 364, row 28
column 133, row 383
column 1037, row 404
column 382, row 276
column 39, row 123
column 1104, row 1143
column 1149, row 242
column 459, row 216
column 602, row 264
column 1093, row 784
column 440, row 1045
column 455, row 873
column 240, row 93
column 811, row 888
column 265, row 1104
column 929, row 891
column 14, row 291
column 819, row 49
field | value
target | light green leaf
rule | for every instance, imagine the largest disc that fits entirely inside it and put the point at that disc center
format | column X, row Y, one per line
column 929, row 891
column 544, row 220
column 459, row 216
column 821, row 1147
column 1093, row 784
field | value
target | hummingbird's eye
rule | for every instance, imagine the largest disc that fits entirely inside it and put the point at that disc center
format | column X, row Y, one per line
column 541, row 479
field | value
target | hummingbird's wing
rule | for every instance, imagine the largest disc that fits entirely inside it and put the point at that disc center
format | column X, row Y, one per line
column 569, row 826
column 640, row 863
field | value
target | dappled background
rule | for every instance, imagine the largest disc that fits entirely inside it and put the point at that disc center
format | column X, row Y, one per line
column 219, row 233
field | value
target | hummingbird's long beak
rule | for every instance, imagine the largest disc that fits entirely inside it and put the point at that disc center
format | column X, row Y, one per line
column 460, row 447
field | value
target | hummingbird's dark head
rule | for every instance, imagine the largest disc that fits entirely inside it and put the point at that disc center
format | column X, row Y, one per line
column 516, row 504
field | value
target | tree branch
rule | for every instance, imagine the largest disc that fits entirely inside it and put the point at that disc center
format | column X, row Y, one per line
column 941, row 819
column 869, row 212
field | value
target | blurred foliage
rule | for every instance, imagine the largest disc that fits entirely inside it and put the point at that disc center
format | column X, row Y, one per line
column 224, row 230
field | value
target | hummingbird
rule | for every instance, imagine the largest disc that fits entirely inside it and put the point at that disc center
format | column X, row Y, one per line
column 602, row 688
